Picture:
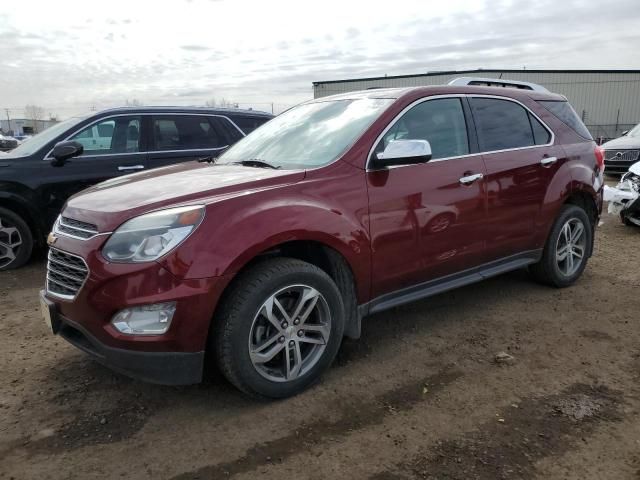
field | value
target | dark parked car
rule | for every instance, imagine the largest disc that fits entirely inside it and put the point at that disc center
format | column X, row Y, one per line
column 338, row 208
column 37, row 177
column 7, row 143
column 622, row 152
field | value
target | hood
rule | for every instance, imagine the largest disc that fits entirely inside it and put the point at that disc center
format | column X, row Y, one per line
column 109, row 203
column 622, row 143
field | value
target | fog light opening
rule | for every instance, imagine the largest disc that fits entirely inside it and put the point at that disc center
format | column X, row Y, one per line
column 152, row 319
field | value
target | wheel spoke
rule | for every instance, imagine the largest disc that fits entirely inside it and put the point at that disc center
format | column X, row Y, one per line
column 577, row 233
column 282, row 310
column 267, row 312
column 293, row 359
column 578, row 251
column 263, row 353
column 569, row 264
column 562, row 253
column 314, row 340
column 322, row 330
column 566, row 231
column 306, row 304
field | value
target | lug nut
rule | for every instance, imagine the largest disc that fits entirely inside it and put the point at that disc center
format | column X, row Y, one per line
column 281, row 339
column 292, row 343
column 296, row 321
column 301, row 333
column 285, row 324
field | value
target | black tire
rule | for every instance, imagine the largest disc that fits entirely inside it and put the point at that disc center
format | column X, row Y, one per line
column 234, row 320
column 547, row 271
column 21, row 253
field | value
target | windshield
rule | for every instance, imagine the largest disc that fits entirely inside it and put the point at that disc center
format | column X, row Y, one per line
column 38, row 141
column 309, row 135
column 634, row 132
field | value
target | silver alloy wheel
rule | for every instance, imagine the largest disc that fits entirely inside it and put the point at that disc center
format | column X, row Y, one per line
column 10, row 241
column 571, row 247
column 289, row 333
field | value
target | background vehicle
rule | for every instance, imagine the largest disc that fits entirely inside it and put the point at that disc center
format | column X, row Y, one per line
column 7, row 143
column 335, row 209
column 624, row 198
column 35, row 181
column 622, row 152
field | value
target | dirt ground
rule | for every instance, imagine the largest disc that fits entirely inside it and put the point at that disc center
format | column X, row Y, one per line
column 419, row 396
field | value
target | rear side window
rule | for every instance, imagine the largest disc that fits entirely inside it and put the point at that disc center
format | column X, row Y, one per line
column 250, row 123
column 565, row 112
column 501, row 124
column 441, row 122
column 188, row 132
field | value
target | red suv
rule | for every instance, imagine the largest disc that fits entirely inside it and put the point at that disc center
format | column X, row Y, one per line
column 263, row 259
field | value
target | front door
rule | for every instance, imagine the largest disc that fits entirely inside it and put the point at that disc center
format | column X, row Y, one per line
column 112, row 147
column 426, row 219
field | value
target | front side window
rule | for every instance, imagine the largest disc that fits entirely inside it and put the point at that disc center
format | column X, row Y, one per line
column 501, row 124
column 187, row 132
column 441, row 122
column 110, row 136
column 310, row 135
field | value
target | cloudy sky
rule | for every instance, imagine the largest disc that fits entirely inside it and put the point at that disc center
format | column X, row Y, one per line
column 70, row 56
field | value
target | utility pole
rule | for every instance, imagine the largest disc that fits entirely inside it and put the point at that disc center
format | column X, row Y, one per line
column 8, row 120
column 271, row 108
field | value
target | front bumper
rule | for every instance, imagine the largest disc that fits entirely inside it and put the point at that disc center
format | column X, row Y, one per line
column 165, row 368
column 175, row 357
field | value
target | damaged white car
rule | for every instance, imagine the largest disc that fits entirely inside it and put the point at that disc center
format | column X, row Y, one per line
column 624, row 198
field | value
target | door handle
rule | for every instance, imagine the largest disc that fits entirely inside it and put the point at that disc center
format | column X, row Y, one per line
column 469, row 179
column 548, row 161
column 131, row 167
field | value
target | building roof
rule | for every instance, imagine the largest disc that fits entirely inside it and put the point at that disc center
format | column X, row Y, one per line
column 465, row 72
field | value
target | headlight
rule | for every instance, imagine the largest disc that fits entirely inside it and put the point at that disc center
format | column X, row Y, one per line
column 150, row 236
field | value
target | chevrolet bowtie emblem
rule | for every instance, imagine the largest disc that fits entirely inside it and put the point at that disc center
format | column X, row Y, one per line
column 51, row 239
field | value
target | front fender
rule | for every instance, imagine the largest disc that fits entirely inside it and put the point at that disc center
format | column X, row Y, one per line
column 237, row 230
column 14, row 194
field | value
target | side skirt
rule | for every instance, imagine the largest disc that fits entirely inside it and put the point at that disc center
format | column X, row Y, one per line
column 449, row 282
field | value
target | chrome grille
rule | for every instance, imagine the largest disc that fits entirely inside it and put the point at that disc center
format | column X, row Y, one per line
column 622, row 155
column 66, row 273
column 75, row 228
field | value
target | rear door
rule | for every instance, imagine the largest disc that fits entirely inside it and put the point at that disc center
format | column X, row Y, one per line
column 179, row 138
column 113, row 146
column 426, row 219
column 520, row 159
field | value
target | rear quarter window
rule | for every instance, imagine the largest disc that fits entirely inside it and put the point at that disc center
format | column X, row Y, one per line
column 565, row 113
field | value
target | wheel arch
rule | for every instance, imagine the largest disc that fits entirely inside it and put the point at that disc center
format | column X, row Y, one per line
column 324, row 256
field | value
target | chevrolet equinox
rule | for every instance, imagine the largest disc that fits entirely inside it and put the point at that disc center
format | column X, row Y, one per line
column 261, row 260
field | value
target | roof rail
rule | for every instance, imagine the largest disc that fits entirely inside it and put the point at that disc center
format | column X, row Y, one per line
column 497, row 82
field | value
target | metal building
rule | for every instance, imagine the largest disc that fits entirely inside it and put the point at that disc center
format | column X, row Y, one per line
column 607, row 100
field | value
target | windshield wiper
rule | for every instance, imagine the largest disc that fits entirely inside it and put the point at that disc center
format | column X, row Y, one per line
column 255, row 162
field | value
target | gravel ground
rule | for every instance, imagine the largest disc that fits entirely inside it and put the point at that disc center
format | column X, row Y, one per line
column 419, row 396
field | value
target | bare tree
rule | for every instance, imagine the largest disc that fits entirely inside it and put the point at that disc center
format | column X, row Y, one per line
column 223, row 103
column 134, row 102
column 35, row 114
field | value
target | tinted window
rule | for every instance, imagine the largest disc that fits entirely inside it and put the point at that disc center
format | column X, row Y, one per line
column 540, row 134
column 440, row 122
column 501, row 124
column 111, row 135
column 176, row 132
column 249, row 124
column 568, row 115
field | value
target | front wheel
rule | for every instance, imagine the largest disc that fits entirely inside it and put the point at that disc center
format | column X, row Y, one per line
column 279, row 328
column 16, row 241
column 567, row 249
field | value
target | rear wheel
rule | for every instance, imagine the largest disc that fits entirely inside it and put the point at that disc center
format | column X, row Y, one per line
column 279, row 328
column 16, row 240
column 567, row 249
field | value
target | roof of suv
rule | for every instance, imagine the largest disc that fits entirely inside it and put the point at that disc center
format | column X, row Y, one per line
column 174, row 109
column 442, row 90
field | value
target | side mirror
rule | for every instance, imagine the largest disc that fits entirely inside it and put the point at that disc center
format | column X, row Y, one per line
column 624, row 133
column 403, row 152
column 63, row 151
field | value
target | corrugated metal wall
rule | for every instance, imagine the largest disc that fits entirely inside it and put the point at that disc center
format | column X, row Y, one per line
column 608, row 102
